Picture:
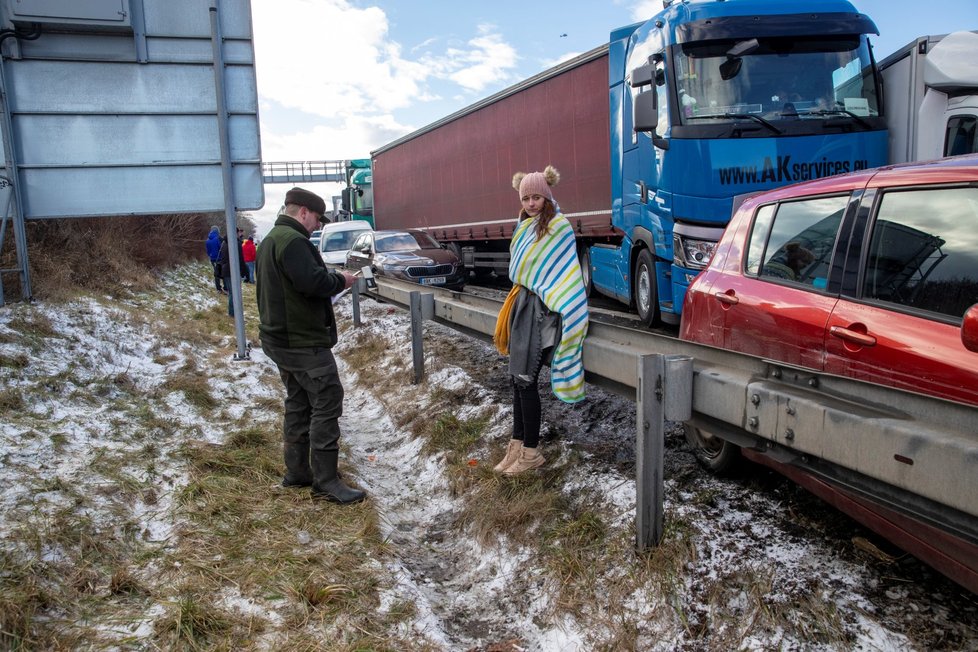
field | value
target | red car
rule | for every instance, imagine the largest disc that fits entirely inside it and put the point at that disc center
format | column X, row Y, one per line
column 868, row 275
column 871, row 275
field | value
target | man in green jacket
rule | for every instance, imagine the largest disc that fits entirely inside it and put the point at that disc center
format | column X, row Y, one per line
column 294, row 290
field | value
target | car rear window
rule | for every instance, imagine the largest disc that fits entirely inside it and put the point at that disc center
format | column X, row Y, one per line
column 340, row 240
column 924, row 250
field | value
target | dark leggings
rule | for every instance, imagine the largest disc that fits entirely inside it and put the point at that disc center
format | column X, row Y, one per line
column 526, row 408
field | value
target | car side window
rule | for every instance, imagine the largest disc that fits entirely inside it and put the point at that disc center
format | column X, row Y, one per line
column 795, row 240
column 362, row 243
column 758, row 238
column 923, row 252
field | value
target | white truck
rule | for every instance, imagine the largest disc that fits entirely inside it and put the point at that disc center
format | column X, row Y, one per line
column 930, row 96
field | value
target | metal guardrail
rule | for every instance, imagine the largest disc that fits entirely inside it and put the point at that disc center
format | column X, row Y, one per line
column 913, row 451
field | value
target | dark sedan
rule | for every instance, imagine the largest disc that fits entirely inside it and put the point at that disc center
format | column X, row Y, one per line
column 407, row 255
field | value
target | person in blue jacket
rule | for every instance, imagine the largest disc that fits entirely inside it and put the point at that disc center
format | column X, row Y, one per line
column 213, row 244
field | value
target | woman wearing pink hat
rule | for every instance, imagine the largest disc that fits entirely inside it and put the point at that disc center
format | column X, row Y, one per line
column 544, row 319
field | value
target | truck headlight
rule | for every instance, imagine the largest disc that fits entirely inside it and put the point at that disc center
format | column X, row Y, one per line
column 691, row 253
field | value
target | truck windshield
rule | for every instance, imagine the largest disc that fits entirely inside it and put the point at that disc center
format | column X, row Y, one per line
column 776, row 79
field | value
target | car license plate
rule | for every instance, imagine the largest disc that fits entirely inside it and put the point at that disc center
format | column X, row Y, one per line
column 433, row 280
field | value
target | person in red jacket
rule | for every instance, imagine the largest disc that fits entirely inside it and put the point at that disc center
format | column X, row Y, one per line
column 249, row 251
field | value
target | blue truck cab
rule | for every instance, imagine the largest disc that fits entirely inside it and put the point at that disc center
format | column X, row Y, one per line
column 718, row 98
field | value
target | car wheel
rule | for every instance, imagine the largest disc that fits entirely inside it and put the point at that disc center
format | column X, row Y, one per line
column 644, row 290
column 715, row 454
column 584, row 258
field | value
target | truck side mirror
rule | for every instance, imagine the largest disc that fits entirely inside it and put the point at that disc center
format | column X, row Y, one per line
column 645, row 111
column 969, row 329
column 645, row 116
column 641, row 76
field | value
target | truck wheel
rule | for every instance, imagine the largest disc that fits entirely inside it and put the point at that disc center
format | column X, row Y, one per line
column 644, row 289
column 584, row 258
column 716, row 455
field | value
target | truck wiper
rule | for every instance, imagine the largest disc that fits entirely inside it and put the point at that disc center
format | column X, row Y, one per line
column 742, row 116
column 839, row 112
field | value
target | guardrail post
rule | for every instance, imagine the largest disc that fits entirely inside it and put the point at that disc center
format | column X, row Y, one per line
column 422, row 307
column 665, row 392
column 360, row 285
column 649, row 445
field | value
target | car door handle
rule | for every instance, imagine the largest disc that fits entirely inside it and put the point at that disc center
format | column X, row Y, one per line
column 729, row 299
column 862, row 339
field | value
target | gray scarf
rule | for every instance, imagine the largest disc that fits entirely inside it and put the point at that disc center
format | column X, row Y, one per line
column 533, row 328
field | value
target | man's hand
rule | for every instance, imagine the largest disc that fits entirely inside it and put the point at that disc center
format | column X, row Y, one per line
column 348, row 280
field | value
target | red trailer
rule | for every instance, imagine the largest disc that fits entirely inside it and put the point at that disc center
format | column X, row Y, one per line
column 453, row 178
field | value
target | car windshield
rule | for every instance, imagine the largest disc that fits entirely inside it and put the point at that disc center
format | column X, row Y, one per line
column 776, row 79
column 340, row 241
column 388, row 242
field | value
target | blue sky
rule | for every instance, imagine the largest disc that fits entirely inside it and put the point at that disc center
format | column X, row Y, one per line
column 339, row 78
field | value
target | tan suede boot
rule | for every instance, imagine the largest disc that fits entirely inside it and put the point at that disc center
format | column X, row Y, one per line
column 512, row 452
column 530, row 458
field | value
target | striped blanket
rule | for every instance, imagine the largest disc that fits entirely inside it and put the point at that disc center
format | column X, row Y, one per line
column 549, row 268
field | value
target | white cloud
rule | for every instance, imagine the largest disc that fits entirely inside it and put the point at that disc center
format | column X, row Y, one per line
column 328, row 57
column 489, row 60
column 645, row 8
column 353, row 137
column 333, row 84
column 333, row 59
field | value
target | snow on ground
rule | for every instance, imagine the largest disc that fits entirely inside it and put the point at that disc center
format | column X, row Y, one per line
column 468, row 594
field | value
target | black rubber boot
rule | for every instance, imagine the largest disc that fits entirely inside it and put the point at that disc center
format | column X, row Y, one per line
column 326, row 482
column 298, row 473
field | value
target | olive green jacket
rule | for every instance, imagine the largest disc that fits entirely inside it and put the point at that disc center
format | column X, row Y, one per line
column 294, row 289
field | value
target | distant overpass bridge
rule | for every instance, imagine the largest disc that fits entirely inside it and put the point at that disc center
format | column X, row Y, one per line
column 303, row 171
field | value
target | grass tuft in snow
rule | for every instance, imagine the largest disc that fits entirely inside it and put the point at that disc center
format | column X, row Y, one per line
column 194, row 384
column 17, row 361
column 194, row 622
column 449, row 434
column 11, row 400
column 34, row 328
column 23, row 596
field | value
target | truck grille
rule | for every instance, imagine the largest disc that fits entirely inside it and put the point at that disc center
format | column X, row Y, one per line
column 435, row 270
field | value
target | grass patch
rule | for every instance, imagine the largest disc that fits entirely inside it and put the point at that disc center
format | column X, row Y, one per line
column 365, row 356
column 280, row 543
column 195, row 386
column 23, row 597
column 447, row 433
column 15, row 361
column 11, row 400
column 33, row 326
column 194, row 622
column 90, row 557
